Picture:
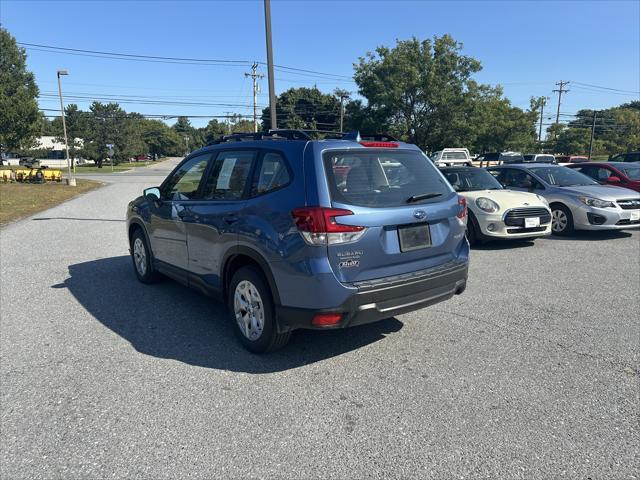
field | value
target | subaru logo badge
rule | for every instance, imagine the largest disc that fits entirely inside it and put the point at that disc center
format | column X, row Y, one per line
column 420, row 214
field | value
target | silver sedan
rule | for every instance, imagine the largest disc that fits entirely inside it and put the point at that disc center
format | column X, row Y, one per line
column 576, row 201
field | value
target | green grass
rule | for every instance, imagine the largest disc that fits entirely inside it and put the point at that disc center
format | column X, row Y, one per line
column 120, row 167
column 105, row 168
column 19, row 200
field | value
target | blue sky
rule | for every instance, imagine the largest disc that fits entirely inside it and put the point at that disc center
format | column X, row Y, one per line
column 525, row 46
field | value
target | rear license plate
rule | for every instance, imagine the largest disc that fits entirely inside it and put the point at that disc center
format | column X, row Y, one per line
column 414, row 237
column 635, row 216
column 532, row 222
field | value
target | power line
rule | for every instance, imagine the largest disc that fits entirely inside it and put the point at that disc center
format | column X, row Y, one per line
column 594, row 90
column 165, row 59
column 606, row 88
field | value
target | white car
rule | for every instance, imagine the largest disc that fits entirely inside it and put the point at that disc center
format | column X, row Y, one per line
column 496, row 213
column 451, row 157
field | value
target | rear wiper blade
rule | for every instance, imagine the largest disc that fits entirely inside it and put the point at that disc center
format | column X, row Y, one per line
column 422, row 196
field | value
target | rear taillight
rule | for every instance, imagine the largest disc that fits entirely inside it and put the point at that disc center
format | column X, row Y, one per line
column 379, row 144
column 462, row 205
column 318, row 225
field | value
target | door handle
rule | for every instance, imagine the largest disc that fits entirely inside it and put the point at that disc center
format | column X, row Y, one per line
column 229, row 219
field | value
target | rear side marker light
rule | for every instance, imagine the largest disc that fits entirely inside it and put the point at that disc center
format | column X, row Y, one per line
column 462, row 204
column 379, row 144
column 326, row 319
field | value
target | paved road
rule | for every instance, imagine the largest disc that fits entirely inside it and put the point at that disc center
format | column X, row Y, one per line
column 532, row 373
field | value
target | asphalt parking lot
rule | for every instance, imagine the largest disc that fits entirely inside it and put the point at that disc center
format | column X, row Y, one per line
column 531, row 373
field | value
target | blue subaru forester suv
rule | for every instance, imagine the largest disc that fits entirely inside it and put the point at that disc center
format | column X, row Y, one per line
column 294, row 232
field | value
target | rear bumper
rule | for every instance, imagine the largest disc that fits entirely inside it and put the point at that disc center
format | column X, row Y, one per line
column 384, row 298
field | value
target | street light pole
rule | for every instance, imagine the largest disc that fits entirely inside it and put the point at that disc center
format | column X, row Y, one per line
column 272, row 88
column 71, row 181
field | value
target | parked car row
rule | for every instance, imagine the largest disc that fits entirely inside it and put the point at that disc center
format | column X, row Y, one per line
column 293, row 232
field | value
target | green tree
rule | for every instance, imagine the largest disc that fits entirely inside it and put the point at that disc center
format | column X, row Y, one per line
column 20, row 120
column 110, row 124
column 617, row 130
column 213, row 130
column 77, row 123
column 305, row 108
column 195, row 137
column 423, row 92
column 160, row 139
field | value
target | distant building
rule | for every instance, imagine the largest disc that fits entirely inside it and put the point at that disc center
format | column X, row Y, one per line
column 56, row 150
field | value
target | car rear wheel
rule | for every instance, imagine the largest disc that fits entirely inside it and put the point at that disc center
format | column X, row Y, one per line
column 141, row 257
column 251, row 305
column 561, row 220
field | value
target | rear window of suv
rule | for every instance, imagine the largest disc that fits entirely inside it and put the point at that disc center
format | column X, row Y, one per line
column 375, row 178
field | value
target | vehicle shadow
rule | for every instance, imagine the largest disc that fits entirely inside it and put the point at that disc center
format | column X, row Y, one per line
column 168, row 320
column 591, row 236
column 504, row 244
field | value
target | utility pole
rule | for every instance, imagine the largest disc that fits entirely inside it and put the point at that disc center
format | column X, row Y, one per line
column 228, row 120
column 272, row 87
column 593, row 132
column 186, row 144
column 255, row 76
column 543, row 102
column 560, row 91
column 343, row 96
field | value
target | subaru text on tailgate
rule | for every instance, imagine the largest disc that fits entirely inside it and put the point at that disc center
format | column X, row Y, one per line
column 294, row 232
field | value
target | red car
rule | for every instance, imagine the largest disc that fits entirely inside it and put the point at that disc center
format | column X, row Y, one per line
column 620, row 174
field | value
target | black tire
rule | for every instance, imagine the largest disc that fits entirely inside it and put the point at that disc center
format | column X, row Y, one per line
column 474, row 234
column 269, row 339
column 148, row 274
column 559, row 209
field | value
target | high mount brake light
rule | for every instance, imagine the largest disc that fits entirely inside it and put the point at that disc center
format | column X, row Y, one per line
column 379, row 144
column 319, row 227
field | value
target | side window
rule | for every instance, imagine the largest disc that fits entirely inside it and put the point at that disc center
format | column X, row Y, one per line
column 184, row 183
column 589, row 171
column 273, row 174
column 229, row 175
column 632, row 157
column 602, row 174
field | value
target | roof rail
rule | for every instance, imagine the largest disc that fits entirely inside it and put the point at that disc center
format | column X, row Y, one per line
column 300, row 134
column 237, row 137
column 276, row 134
column 356, row 136
column 296, row 134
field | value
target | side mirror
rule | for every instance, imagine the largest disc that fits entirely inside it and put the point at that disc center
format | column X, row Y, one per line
column 614, row 179
column 152, row 193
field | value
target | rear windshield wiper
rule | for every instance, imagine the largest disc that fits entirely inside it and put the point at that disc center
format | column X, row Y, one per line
column 422, row 196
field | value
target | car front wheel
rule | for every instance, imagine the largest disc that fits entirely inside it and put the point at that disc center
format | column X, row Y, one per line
column 251, row 305
column 141, row 257
column 561, row 220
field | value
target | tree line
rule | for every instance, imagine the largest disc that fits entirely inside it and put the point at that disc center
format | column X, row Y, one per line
column 421, row 91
